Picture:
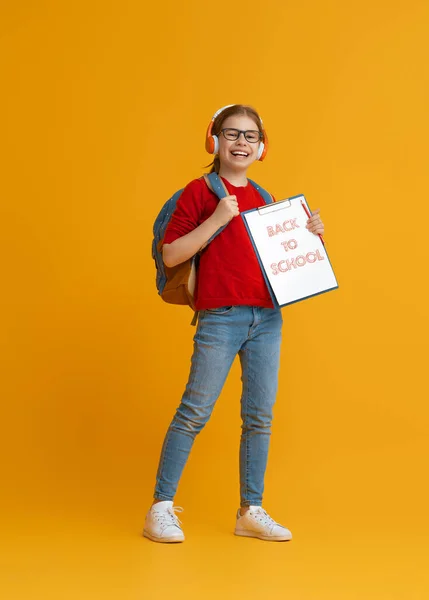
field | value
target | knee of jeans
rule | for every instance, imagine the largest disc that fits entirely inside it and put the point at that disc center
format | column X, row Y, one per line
column 257, row 422
column 193, row 423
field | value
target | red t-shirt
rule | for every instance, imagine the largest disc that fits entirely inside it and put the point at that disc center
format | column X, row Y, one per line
column 229, row 273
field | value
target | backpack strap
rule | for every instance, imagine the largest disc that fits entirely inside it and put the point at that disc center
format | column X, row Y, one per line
column 265, row 195
column 217, row 186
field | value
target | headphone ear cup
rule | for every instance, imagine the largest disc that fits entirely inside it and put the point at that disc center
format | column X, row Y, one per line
column 261, row 153
column 263, row 147
column 209, row 144
column 212, row 144
column 215, row 144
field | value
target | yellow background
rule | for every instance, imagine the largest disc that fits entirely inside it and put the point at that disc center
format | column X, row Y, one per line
column 104, row 109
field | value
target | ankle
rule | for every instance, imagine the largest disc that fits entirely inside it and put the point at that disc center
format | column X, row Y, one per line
column 243, row 510
column 156, row 501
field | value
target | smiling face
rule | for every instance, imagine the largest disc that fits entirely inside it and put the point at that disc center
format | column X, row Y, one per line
column 238, row 155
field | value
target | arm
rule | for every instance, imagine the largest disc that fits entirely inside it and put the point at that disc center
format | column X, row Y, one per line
column 186, row 246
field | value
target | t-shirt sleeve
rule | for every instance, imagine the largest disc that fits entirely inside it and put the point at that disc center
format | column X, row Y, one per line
column 187, row 215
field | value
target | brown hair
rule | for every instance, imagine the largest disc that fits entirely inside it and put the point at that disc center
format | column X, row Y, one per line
column 236, row 109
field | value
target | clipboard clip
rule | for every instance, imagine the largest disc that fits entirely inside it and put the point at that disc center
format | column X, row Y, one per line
column 279, row 205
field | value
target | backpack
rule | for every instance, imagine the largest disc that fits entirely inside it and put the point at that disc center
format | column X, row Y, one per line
column 176, row 284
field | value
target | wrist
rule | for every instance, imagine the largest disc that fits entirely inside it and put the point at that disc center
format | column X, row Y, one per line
column 215, row 221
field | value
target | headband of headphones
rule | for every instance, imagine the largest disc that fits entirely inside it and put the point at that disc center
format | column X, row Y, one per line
column 212, row 141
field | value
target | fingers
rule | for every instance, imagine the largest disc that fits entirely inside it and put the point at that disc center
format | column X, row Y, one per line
column 315, row 217
column 228, row 208
column 235, row 211
column 233, row 203
column 315, row 226
column 314, row 223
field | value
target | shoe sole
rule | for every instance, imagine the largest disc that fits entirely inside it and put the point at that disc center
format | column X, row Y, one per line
column 266, row 538
column 170, row 540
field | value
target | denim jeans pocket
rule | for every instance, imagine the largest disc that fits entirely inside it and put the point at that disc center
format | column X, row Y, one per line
column 222, row 310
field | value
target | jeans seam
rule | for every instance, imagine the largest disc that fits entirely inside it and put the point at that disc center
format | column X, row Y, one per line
column 162, row 459
column 247, row 436
column 246, row 423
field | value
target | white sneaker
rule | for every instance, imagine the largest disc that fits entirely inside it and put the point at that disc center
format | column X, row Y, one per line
column 256, row 522
column 162, row 525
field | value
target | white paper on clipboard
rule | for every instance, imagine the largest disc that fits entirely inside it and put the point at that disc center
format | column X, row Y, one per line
column 294, row 260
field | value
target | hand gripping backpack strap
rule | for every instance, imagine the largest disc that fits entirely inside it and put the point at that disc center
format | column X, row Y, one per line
column 217, row 186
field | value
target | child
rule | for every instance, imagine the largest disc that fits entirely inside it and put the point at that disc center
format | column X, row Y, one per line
column 236, row 315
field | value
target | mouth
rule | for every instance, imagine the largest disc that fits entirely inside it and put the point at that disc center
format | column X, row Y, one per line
column 239, row 154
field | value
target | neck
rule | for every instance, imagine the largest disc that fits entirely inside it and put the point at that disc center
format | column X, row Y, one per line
column 234, row 177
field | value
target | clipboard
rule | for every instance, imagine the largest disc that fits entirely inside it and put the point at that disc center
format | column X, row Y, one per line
column 294, row 261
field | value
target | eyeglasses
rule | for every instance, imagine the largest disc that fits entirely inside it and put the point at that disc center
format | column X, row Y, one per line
column 250, row 135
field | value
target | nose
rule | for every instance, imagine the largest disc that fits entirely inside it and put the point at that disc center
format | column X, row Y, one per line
column 241, row 139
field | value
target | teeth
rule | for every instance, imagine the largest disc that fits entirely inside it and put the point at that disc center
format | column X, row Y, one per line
column 239, row 154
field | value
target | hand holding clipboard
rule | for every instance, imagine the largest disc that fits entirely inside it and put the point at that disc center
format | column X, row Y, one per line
column 314, row 223
column 289, row 245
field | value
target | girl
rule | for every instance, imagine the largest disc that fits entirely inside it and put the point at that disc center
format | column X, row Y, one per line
column 236, row 315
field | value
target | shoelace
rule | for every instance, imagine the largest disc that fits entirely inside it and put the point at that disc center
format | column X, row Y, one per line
column 264, row 517
column 168, row 517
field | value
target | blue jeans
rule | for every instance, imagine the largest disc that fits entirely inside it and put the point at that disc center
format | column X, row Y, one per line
column 255, row 334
